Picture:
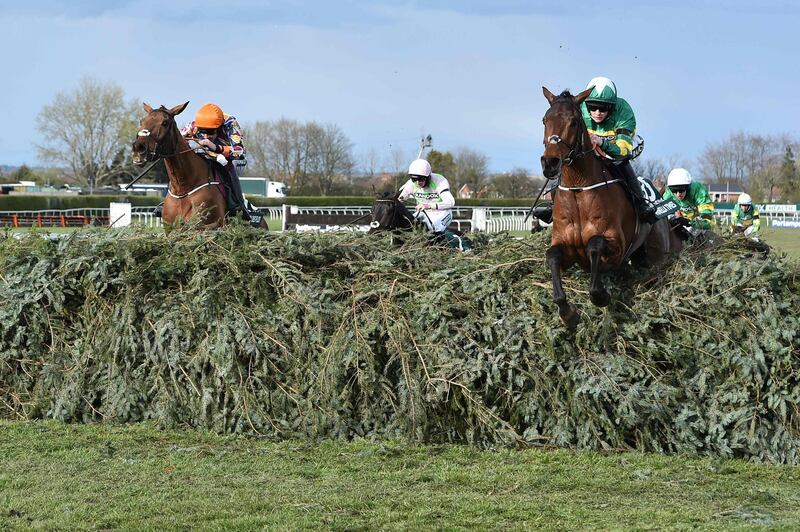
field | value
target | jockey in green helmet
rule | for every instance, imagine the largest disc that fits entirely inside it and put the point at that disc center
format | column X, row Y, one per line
column 612, row 127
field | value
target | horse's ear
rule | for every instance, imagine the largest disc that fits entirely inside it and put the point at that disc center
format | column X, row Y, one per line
column 178, row 109
column 578, row 99
column 147, row 108
column 549, row 95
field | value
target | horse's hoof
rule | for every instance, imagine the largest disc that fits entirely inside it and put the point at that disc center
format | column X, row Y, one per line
column 571, row 318
column 601, row 299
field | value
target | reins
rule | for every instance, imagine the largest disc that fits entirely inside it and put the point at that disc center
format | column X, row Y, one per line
column 575, row 152
column 156, row 155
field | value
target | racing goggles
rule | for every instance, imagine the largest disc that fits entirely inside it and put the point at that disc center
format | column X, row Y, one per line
column 596, row 106
column 677, row 189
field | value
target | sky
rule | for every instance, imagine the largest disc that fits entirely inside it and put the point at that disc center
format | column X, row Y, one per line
column 469, row 73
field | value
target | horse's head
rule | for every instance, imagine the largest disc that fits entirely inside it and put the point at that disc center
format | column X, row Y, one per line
column 389, row 213
column 565, row 134
column 158, row 135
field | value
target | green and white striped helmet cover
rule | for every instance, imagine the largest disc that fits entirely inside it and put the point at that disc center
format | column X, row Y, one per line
column 603, row 90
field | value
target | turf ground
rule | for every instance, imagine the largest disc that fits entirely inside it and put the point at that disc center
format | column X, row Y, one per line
column 57, row 476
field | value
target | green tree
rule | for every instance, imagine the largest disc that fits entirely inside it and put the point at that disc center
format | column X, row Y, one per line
column 89, row 131
column 788, row 176
column 442, row 162
column 23, row 173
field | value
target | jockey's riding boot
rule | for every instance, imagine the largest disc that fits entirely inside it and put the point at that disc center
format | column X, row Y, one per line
column 647, row 213
column 238, row 198
column 543, row 213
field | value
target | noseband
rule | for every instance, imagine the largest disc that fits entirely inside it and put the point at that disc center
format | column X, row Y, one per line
column 576, row 151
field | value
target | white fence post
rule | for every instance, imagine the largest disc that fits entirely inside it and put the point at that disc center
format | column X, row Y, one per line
column 119, row 214
column 479, row 219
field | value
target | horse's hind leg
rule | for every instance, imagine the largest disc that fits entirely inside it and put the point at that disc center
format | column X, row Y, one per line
column 555, row 260
column 597, row 248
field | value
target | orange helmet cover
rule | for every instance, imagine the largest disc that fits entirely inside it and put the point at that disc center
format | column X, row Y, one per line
column 209, row 116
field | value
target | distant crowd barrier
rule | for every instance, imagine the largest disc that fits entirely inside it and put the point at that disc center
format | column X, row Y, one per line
column 343, row 218
column 356, row 217
column 143, row 216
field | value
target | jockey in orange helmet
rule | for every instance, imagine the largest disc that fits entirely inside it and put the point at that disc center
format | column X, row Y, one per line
column 220, row 135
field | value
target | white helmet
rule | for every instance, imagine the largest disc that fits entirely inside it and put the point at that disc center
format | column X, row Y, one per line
column 420, row 167
column 679, row 176
column 745, row 199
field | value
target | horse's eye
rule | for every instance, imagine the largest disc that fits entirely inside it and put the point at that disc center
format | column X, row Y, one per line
column 164, row 123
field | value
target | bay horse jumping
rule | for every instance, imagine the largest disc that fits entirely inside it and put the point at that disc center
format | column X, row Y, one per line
column 594, row 223
column 195, row 191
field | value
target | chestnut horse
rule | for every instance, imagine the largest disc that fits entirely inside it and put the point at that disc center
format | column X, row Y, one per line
column 594, row 223
column 194, row 189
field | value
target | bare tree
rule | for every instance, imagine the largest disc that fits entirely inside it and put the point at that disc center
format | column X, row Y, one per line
column 90, row 131
column 332, row 157
column 257, row 137
column 517, row 183
column 310, row 157
column 651, row 168
column 400, row 160
column 472, row 168
column 371, row 162
column 741, row 157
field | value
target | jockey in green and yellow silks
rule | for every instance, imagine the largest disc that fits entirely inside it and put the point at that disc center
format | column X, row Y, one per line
column 692, row 197
column 745, row 217
column 616, row 125
column 612, row 126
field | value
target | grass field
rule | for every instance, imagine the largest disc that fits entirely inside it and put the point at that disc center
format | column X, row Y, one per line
column 102, row 476
column 787, row 240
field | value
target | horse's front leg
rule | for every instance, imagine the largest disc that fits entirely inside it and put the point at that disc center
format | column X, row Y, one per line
column 596, row 249
column 555, row 260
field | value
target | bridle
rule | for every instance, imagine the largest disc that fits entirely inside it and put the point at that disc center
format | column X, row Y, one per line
column 398, row 213
column 576, row 151
column 155, row 154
